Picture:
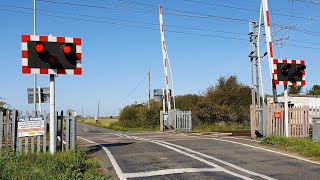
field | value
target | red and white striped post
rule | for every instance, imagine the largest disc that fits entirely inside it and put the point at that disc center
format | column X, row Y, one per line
column 164, row 54
column 267, row 25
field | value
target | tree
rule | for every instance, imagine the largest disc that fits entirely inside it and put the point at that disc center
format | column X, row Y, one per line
column 295, row 90
column 315, row 90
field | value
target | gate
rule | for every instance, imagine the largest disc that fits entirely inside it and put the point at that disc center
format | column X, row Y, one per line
column 269, row 121
column 176, row 120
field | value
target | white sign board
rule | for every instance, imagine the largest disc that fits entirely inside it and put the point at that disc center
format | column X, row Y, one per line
column 30, row 127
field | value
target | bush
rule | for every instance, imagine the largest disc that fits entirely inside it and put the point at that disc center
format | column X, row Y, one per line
column 138, row 115
column 228, row 101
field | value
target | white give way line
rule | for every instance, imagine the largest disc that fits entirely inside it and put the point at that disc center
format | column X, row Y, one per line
column 181, row 150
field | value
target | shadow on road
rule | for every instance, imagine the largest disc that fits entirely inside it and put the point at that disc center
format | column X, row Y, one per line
column 96, row 148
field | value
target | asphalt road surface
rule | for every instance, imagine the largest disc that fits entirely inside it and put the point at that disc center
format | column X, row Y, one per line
column 158, row 155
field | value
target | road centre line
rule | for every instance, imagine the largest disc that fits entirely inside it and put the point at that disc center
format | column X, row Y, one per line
column 111, row 157
column 169, row 171
column 269, row 150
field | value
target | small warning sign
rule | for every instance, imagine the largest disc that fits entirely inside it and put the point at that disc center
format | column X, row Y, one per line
column 30, row 127
column 278, row 114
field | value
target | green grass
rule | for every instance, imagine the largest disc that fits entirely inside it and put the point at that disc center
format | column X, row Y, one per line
column 302, row 146
column 113, row 124
column 221, row 127
column 62, row 165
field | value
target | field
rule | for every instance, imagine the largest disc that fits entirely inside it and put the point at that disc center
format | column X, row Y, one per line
column 113, row 124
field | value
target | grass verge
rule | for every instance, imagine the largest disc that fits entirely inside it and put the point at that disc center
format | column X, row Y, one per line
column 113, row 124
column 221, row 127
column 302, row 146
column 62, row 165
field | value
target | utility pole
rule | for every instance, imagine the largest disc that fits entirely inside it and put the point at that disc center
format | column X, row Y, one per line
column 98, row 109
column 82, row 111
column 149, row 94
column 255, row 76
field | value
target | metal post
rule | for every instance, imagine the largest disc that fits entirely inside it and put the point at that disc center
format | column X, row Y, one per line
column 34, row 76
column 253, row 100
column 259, row 56
column 98, row 109
column 286, row 113
column 39, row 97
column 82, row 111
column 53, row 141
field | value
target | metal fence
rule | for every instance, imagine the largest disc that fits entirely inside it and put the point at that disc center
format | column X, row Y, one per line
column 269, row 121
column 176, row 120
column 9, row 140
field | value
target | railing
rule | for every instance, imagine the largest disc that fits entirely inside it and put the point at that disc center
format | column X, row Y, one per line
column 10, row 140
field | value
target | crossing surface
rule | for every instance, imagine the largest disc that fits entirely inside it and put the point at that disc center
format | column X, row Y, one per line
column 157, row 155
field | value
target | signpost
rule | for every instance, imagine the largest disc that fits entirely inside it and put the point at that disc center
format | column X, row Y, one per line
column 44, row 95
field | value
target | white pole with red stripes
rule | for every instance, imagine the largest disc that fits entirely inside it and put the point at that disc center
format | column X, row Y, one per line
column 164, row 54
column 267, row 25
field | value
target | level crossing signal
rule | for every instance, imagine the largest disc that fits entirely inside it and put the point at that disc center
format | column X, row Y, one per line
column 289, row 72
column 51, row 55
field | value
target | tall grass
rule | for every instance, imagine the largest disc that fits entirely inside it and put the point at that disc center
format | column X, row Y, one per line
column 62, row 165
column 302, row 146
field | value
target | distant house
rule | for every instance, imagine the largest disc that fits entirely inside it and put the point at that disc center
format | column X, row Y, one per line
column 298, row 100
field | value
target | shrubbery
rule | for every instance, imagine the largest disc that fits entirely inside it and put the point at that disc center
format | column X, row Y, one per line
column 227, row 101
column 138, row 115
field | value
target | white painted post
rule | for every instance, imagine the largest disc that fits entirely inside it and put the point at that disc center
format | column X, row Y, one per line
column 53, row 141
column 286, row 114
column 34, row 76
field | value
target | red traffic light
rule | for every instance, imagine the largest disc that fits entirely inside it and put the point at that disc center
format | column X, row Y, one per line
column 67, row 49
column 39, row 47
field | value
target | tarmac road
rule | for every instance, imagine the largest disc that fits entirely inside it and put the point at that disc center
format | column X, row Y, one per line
column 158, row 155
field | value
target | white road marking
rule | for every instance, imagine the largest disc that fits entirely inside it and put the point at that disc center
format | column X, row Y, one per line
column 219, row 160
column 85, row 129
column 112, row 159
column 169, row 171
column 217, row 167
column 269, row 150
column 172, row 147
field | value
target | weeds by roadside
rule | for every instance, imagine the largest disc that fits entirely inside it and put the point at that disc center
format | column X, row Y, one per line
column 302, row 146
column 62, row 165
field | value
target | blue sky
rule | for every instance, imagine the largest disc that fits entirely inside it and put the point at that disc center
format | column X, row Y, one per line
column 121, row 40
